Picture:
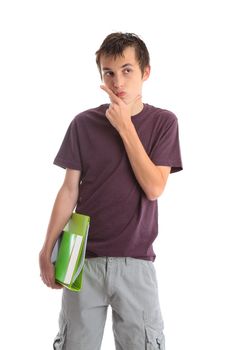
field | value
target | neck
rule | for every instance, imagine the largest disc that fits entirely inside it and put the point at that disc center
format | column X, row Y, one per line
column 137, row 108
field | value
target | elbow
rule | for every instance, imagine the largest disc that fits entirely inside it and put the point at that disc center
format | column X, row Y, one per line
column 152, row 197
column 154, row 194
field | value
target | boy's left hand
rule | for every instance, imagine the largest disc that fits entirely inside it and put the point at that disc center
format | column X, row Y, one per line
column 119, row 113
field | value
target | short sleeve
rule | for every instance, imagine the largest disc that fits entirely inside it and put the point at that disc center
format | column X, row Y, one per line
column 166, row 150
column 69, row 155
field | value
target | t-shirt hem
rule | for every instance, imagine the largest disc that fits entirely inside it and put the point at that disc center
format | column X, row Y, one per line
column 65, row 164
column 175, row 166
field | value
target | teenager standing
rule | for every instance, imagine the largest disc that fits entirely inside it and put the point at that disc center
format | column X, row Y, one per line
column 117, row 157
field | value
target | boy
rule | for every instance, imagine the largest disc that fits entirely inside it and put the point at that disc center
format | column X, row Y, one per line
column 117, row 158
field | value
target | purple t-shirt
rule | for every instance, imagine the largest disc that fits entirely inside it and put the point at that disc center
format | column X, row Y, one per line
column 124, row 223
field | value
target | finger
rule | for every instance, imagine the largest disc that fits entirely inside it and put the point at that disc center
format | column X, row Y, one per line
column 45, row 280
column 52, row 280
column 56, row 285
column 107, row 113
column 138, row 97
column 51, row 283
column 49, row 279
column 112, row 96
column 110, row 93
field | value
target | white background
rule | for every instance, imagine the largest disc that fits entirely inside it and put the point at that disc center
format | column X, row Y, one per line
column 48, row 75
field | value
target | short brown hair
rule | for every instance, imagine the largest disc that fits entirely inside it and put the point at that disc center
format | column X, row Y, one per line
column 115, row 43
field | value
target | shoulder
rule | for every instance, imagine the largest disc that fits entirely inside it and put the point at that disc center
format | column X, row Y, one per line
column 160, row 118
column 161, row 113
column 90, row 114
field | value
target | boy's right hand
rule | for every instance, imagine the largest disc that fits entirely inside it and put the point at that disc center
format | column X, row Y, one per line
column 47, row 271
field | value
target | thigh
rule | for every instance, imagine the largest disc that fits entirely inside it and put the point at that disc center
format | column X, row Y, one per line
column 83, row 314
column 137, row 318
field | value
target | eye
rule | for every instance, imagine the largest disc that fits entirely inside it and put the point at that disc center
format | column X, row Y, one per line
column 127, row 70
column 108, row 74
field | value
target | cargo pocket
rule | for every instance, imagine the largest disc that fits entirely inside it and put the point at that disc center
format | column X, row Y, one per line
column 59, row 341
column 154, row 339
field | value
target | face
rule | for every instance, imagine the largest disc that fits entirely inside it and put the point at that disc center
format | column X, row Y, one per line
column 123, row 74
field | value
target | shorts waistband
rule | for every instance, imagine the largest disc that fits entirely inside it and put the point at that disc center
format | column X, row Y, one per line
column 114, row 259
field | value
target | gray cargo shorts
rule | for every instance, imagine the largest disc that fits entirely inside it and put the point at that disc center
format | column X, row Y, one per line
column 129, row 286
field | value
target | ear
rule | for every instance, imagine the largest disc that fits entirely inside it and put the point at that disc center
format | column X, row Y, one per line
column 146, row 73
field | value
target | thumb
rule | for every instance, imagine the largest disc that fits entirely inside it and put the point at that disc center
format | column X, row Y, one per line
column 136, row 99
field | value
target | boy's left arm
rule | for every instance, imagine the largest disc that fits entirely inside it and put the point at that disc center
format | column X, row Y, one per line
column 151, row 178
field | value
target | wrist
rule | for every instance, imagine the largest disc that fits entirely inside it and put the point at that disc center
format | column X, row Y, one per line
column 127, row 130
column 45, row 252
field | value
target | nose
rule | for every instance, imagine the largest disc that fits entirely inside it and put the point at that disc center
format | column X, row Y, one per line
column 118, row 81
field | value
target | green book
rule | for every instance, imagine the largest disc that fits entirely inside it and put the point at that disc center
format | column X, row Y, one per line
column 69, row 252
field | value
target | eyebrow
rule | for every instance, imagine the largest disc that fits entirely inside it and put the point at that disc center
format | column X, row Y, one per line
column 125, row 65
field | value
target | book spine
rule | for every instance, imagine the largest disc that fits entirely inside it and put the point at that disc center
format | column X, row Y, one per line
column 73, row 259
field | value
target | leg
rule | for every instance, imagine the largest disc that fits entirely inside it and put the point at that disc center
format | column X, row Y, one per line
column 83, row 314
column 137, row 319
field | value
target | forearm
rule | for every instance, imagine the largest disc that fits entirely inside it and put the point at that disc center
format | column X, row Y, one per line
column 150, row 177
column 146, row 172
column 63, row 206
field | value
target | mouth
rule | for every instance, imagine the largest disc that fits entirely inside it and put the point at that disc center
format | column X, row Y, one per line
column 120, row 94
